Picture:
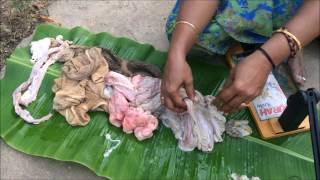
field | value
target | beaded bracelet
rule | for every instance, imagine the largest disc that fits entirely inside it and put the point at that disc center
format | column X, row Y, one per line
column 293, row 41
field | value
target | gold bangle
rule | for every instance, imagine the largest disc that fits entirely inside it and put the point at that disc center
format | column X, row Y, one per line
column 285, row 31
column 189, row 24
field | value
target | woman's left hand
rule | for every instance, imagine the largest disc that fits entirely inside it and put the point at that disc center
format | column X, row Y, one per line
column 245, row 82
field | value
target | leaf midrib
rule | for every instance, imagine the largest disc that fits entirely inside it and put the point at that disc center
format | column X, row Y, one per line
column 278, row 148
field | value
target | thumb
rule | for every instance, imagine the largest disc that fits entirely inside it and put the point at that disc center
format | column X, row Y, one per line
column 190, row 90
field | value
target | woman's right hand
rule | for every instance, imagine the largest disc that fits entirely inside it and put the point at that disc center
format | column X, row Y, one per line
column 177, row 74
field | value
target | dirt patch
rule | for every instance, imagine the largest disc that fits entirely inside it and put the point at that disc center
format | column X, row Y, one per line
column 18, row 19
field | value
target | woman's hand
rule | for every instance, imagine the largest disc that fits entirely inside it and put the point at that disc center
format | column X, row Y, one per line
column 177, row 74
column 248, row 78
column 246, row 82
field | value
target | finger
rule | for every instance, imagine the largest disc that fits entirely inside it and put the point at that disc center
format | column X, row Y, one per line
column 162, row 95
column 162, row 89
column 226, row 108
column 179, row 110
column 225, row 96
column 162, row 99
column 166, row 99
column 246, row 103
column 252, row 97
column 248, row 100
column 220, row 99
column 169, row 105
column 177, row 100
column 190, row 90
column 234, row 104
column 243, row 106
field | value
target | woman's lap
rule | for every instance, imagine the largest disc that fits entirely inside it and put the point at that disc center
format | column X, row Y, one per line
column 246, row 21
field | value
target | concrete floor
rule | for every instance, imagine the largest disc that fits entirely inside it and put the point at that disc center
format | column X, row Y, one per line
column 142, row 21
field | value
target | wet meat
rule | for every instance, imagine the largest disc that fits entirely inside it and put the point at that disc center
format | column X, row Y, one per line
column 43, row 55
column 200, row 127
column 126, row 103
column 80, row 87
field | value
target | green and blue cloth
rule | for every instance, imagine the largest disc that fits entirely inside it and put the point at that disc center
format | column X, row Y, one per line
column 245, row 21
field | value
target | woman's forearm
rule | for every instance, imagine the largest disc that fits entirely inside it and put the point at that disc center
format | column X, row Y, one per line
column 199, row 13
column 305, row 25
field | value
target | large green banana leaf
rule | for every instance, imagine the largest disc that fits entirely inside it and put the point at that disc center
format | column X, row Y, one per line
column 155, row 158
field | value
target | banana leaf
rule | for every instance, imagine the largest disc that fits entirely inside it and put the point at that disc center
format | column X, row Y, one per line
column 157, row 157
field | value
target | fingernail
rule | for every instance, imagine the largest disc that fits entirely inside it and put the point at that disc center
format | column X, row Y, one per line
column 244, row 105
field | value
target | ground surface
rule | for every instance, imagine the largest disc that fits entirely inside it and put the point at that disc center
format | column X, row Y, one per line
column 142, row 21
column 17, row 20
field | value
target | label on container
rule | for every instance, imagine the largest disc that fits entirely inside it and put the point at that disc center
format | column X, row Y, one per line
column 272, row 101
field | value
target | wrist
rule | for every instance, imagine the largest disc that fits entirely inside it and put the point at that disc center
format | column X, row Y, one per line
column 182, row 40
column 262, row 62
column 267, row 57
column 278, row 48
column 177, row 54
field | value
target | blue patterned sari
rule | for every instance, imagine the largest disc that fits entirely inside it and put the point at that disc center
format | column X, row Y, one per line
column 246, row 21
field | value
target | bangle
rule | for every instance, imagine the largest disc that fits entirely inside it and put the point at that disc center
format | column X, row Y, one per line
column 293, row 41
column 189, row 24
column 264, row 52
